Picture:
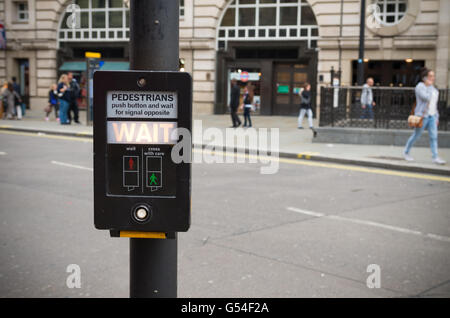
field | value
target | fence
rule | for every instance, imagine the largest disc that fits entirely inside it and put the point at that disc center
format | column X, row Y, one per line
column 341, row 107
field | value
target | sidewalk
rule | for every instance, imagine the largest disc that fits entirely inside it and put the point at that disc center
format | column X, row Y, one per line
column 294, row 143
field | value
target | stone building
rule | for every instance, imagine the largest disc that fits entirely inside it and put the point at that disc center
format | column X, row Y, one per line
column 277, row 45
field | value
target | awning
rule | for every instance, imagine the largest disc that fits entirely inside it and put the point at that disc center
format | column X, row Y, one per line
column 73, row 66
column 107, row 66
column 115, row 66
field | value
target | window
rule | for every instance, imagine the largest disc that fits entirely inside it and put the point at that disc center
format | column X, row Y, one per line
column 391, row 11
column 99, row 20
column 22, row 11
column 258, row 20
column 182, row 8
column 105, row 20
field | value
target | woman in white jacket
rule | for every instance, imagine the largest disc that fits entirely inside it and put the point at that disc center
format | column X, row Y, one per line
column 427, row 97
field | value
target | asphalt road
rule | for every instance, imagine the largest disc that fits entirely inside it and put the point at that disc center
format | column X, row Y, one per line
column 311, row 230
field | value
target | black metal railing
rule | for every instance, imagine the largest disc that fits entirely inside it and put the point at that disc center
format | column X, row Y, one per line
column 341, row 107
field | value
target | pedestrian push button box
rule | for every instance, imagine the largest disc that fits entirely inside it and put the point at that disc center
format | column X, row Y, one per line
column 138, row 116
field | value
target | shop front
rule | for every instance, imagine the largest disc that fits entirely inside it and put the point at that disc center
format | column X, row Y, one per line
column 277, row 71
column 273, row 44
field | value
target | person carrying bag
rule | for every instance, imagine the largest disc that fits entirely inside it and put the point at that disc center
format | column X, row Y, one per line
column 413, row 120
column 426, row 116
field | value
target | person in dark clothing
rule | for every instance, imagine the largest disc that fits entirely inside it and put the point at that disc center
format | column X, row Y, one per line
column 74, row 94
column 234, row 103
column 305, row 108
column 16, row 86
column 53, row 102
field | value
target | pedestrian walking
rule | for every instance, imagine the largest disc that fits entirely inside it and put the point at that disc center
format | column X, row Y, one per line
column 64, row 98
column 306, row 108
column 12, row 100
column 74, row 95
column 427, row 97
column 3, row 101
column 17, row 89
column 16, row 86
column 52, row 102
column 247, row 104
column 367, row 102
column 234, row 103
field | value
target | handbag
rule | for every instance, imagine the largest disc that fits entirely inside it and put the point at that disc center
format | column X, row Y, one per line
column 415, row 121
column 48, row 108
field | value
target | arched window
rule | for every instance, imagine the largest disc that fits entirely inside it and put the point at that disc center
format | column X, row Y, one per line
column 390, row 12
column 268, row 20
column 98, row 20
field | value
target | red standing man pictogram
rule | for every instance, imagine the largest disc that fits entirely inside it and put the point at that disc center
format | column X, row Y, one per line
column 131, row 163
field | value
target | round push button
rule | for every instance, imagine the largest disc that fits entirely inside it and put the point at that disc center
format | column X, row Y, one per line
column 141, row 213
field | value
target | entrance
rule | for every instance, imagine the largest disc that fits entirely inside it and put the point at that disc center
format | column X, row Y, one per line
column 289, row 80
column 277, row 74
column 246, row 76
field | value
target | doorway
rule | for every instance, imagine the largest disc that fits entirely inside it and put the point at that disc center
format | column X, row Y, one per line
column 289, row 80
column 246, row 76
column 24, row 81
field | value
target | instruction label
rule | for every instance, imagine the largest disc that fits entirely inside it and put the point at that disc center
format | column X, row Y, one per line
column 126, row 104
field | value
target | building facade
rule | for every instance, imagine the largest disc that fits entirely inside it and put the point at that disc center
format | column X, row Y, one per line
column 277, row 45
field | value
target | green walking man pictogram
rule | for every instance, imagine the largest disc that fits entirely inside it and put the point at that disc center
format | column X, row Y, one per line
column 153, row 179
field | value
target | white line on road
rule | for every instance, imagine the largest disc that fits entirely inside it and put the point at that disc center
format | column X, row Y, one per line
column 70, row 165
column 2, row 153
column 371, row 223
column 315, row 214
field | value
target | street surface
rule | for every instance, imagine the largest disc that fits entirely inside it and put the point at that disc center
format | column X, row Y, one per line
column 311, row 230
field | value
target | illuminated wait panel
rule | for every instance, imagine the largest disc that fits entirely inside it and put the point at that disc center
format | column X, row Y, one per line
column 142, row 132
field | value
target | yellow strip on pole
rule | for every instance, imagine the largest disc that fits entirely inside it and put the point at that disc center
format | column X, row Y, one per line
column 133, row 234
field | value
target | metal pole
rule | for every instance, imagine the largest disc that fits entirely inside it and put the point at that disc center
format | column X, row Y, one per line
column 154, row 45
column 88, row 94
column 332, row 75
column 362, row 28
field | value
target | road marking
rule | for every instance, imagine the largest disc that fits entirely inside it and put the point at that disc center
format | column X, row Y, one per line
column 42, row 135
column 367, row 170
column 2, row 153
column 315, row 214
column 64, row 164
column 371, row 223
column 306, row 155
column 413, row 175
column 84, row 133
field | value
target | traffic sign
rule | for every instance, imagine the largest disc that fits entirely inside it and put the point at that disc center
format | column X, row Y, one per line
column 244, row 76
column 92, row 55
column 137, row 184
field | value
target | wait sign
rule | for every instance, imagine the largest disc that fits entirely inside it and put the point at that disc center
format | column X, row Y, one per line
column 137, row 185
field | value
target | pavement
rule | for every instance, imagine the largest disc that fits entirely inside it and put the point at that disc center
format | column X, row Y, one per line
column 293, row 142
column 313, row 229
